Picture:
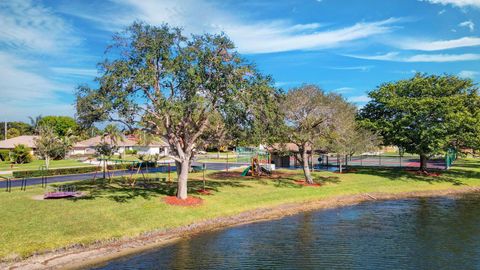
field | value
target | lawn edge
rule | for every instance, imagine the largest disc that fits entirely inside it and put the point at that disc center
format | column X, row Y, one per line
column 78, row 257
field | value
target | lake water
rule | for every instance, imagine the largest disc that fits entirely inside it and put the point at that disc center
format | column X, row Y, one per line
column 433, row 233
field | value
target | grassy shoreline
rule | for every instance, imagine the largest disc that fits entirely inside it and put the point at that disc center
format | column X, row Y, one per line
column 114, row 211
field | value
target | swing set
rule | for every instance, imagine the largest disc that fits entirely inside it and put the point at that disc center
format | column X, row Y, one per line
column 135, row 168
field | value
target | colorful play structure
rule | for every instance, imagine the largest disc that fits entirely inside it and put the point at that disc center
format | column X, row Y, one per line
column 260, row 164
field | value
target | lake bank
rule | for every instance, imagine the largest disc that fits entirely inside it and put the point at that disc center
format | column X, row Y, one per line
column 81, row 257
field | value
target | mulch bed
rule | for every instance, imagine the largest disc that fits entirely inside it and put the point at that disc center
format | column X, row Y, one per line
column 303, row 183
column 190, row 201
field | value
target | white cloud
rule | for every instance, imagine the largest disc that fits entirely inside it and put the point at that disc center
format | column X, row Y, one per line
column 343, row 90
column 432, row 58
column 29, row 26
column 75, row 72
column 423, row 45
column 359, row 99
column 361, row 68
column 469, row 24
column 457, row 3
column 251, row 36
column 468, row 74
column 441, row 12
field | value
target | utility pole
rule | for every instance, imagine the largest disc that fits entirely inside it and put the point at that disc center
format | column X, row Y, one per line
column 5, row 138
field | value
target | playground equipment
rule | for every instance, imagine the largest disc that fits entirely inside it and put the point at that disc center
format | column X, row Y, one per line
column 259, row 165
column 450, row 157
column 64, row 191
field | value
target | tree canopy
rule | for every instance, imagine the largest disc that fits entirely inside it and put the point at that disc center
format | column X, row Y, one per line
column 173, row 85
column 62, row 125
column 426, row 114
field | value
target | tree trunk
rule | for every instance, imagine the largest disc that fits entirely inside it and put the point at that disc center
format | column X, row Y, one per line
column 47, row 162
column 306, row 167
column 182, row 171
column 423, row 162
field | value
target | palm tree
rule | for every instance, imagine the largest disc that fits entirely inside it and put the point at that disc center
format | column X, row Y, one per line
column 35, row 123
column 113, row 133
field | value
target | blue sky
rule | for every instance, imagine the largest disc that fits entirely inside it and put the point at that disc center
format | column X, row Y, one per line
column 344, row 46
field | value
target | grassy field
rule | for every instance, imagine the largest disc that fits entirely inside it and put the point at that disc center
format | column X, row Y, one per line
column 114, row 209
column 35, row 164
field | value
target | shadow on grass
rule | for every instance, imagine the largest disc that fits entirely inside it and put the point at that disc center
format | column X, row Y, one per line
column 120, row 190
column 453, row 176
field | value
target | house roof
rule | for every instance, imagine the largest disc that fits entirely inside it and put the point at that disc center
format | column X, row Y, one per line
column 127, row 141
column 28, row 140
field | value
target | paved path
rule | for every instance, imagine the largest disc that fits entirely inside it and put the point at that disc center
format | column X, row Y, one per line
column 88, row 176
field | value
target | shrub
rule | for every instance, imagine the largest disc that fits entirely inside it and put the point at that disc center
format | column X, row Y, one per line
column 65, row 171
column 21, row 154
column 131, row 152
column 5, row 155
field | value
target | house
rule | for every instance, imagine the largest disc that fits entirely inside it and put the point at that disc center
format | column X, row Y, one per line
column 27, row 140
column 87, row 147
column 283, row 155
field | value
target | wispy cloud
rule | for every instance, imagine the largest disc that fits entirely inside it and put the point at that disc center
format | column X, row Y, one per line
column 423, row 45
column 360, row 68
column 433, row 58
column 359, row 99
column 468, row 24
column 468, row 74
column 75, row 72
column 30, row 26
column 343, row 90
column 457, row 3
column 251, row 36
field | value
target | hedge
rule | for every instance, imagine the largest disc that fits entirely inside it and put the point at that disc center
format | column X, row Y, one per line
column 64, row 171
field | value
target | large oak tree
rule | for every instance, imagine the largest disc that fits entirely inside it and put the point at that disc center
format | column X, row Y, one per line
column 425, row 114
column 173, row 85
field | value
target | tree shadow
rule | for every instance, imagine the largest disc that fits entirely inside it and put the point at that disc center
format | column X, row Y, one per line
column 120, row 189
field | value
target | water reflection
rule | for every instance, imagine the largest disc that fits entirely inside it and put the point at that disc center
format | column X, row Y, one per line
column 435, row 233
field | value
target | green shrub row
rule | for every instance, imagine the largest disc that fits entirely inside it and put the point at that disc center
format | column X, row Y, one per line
column 64, row 171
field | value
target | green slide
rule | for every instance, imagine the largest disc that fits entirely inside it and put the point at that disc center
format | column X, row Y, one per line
column 245, row 172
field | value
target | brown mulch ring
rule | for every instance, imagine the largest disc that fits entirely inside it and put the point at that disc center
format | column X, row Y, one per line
column 424, row 173
column 303, row 183
column 236, row 174
column 189, row 201
column 204, row 191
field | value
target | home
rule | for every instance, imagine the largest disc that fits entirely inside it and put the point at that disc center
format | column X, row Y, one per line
column 27, row 140
column 87, row 147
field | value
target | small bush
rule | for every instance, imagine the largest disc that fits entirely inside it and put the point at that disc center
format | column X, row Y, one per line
column 131, row 152
column 5, row 155
column 21, row 154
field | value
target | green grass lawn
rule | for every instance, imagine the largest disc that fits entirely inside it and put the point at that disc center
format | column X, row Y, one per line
column 35, row 164
column 115, row 209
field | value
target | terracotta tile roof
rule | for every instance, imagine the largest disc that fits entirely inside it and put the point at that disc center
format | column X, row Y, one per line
column 127, row 141
column 28, row 140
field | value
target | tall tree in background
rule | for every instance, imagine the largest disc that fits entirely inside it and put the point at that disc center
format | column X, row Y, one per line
column 346, row 136
column 425, row 114
column 308, row 114
column 157, row 77
column 61, row 125
column 50, row 146
column 35, row 123
column 112, row 135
